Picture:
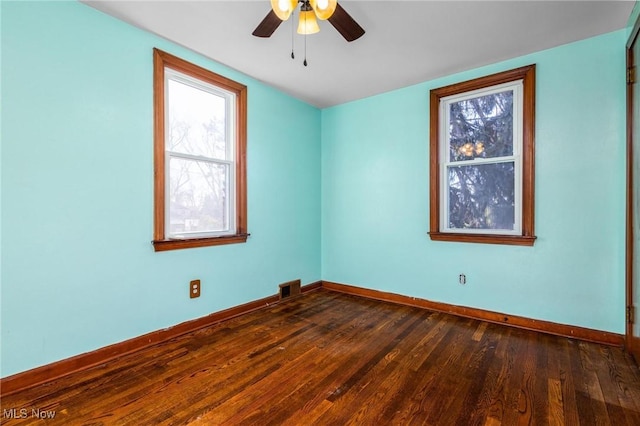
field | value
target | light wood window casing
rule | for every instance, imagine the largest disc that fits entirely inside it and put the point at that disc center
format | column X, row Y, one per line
column 525, row 154
column 234, row 202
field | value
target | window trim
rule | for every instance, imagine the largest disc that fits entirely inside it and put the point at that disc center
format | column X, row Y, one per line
column 527, row 236
column 162, row 60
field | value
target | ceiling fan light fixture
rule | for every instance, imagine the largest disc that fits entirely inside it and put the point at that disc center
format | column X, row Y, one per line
column 284, row 8
column 307, row 23
column 323, row 8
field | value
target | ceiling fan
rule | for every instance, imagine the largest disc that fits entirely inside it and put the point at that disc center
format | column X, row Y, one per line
column 310, row 9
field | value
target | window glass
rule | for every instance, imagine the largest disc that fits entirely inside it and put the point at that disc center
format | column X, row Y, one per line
column 482, row 197
column 481, row 127
column 198, row 201
column 196, row 119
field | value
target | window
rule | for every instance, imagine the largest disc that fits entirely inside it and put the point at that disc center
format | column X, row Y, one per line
column 199, row 156
column 482, row 159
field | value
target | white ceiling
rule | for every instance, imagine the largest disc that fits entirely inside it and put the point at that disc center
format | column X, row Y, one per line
column 406, row 42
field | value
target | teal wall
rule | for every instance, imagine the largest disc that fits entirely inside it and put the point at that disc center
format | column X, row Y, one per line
column 78, row 269
column 347, row 204
column 635, row 13
column 375, row 190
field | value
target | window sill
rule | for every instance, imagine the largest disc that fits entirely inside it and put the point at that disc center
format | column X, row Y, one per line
column 177, row 244
column 513, row 240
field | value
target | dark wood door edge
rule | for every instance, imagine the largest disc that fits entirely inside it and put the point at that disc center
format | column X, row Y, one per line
column 632, row 344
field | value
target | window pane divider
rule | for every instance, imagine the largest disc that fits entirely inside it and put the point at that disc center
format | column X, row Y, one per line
column 476, row 161
column 184, row 156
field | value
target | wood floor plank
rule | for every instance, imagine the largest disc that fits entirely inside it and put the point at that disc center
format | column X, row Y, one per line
column 331, row 358
column 394, row 405
column 556, row 405
column 625, row 382
column 480, row 331
column 367, row 320
column 380, row 378
column 436, row 371
column 560, row 368
column 511, row 356
column 596, row 398
column 490, row 400
column 471, row 409
column 540, row 394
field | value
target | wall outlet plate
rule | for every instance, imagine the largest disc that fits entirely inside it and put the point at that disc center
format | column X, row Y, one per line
column 194, row 289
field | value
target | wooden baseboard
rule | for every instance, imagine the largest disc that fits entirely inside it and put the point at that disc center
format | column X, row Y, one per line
column 49, row 372
column 596, row 336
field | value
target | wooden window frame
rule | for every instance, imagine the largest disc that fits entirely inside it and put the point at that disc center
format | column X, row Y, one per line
column 162, row 60
column 527, row 236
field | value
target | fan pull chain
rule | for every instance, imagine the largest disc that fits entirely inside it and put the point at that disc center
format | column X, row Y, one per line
column 305, row 41
column 292, row 34
column 305, row 50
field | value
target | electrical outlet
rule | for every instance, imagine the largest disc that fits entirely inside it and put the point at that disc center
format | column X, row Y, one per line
column 462, row 279
column 194, row 289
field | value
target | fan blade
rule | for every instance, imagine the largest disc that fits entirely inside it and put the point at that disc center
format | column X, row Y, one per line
column 268, row 25
column 345, row 24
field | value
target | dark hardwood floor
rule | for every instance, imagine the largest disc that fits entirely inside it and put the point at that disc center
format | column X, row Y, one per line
column 332, row 359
